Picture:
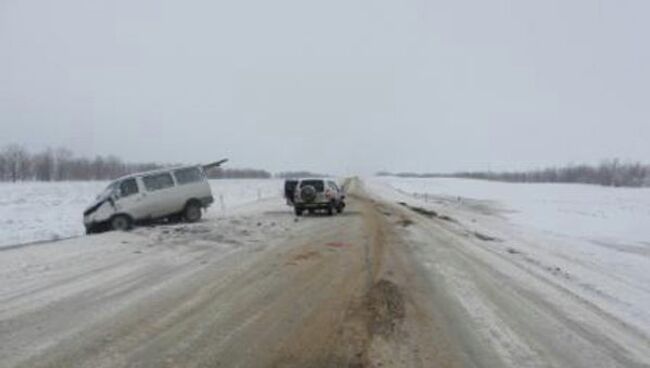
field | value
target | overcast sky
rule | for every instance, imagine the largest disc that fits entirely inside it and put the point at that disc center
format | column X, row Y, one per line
column 340, row 86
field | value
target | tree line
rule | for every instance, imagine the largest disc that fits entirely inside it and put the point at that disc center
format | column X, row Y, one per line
column 60, row 164
column 228, row 173
column 299, row 175
column 608, row 173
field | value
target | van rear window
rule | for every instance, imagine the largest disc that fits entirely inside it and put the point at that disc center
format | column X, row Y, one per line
column 158, row 181
column 189, row 175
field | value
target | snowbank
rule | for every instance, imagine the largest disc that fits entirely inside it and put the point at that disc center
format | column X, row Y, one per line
column 575, row 210
column 592, row 240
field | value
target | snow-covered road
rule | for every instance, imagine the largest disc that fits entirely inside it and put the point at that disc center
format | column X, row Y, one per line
column 592, row 240
column 523, row 282
column 396, row 281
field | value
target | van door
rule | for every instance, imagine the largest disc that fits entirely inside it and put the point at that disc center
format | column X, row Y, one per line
column 191, row 183
column 160, row 200
column 130, row 199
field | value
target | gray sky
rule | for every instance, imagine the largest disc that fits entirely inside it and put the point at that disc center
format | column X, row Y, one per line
column 339, row 86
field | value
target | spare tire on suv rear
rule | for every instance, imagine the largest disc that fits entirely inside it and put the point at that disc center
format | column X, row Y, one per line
column 308, row 193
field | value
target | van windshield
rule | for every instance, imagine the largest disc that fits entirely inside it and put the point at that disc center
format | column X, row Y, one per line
column 110, row 189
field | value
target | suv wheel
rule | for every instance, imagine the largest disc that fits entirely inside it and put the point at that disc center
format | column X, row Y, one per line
column 192, row 212
column 121, row 223
column 298, row 211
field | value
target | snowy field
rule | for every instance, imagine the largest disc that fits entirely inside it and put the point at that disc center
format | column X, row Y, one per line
column 574, row 210
column 37, row 211
column 592, row 240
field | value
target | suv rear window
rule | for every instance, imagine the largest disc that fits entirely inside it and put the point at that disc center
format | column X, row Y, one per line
column 317, row 184
column 189, row 175
column 158, row 181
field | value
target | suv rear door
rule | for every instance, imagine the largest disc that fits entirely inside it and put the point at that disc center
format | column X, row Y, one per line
column 290, row 190
column 335, row 193
column 319, row 185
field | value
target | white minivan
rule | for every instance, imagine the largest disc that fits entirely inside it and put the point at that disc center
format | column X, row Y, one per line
column 180, row 193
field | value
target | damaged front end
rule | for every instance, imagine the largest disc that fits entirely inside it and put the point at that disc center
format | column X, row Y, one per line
column 96, row 215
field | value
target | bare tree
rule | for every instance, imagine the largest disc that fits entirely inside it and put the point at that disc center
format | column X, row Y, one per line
column 3, row 167
column 302, row 174
column 608, row 173
column 44, row 165
column 222, row 173
column 62, row 157
column 17, row 162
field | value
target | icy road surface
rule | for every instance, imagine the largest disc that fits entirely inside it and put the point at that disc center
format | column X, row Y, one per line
column 386, row 284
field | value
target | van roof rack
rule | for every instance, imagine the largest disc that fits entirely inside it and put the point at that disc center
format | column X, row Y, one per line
column 215, row 164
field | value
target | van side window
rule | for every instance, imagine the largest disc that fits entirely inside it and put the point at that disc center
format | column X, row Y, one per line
column 128, row 187
column 158, row 181
column 189, row 175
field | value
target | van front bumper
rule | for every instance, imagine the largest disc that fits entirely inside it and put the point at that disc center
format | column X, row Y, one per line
column 94, row 227
column 89, row 221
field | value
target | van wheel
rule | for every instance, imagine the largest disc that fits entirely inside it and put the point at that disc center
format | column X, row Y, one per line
column 192, row 212
column 175, row 218
column 121, row 223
